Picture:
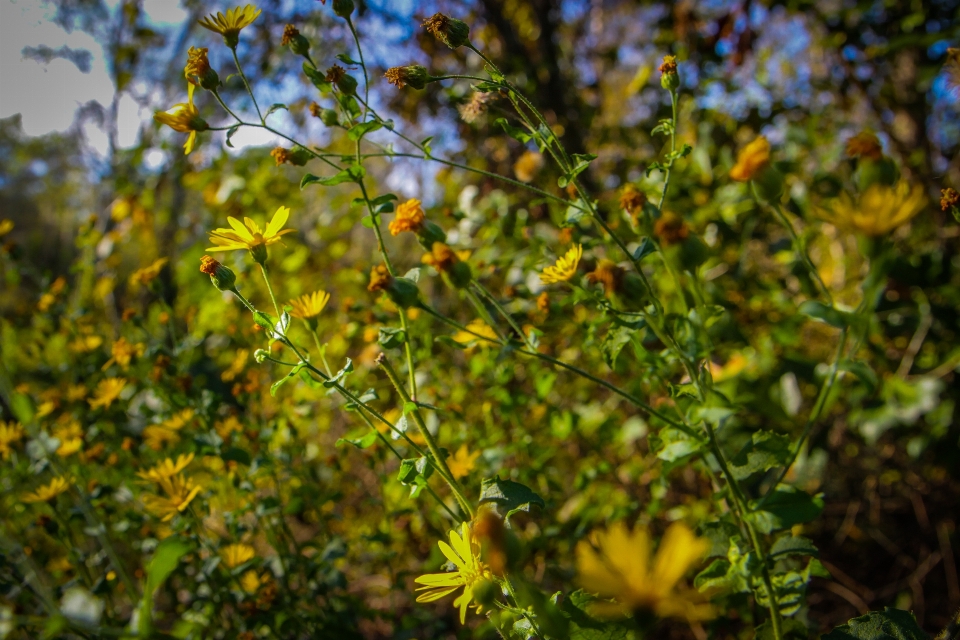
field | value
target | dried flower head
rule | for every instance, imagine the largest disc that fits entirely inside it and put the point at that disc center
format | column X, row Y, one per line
column 335, row 74
column 414, row 75
column 864, row 145
column 669, row 65
column 289, row 33
column 380, row 278
column 949, row 198
column 632, row 200
column 671, row 229
column 450, row 31
column 477, row 106
column 609, row 274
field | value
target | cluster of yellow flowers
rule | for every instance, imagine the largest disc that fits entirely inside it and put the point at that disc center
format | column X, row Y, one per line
column 176, row 491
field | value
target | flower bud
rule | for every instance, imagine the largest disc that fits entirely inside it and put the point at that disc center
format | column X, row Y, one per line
column 222, row 277
column 769, row 183
column 297, row 43
column 260, row 355
column 402, row 291
column 343, row 8
column 414, row 75
column 429, row 233
column 329, row 117
column 450, row 31
column 344, row 81
column 669, row 78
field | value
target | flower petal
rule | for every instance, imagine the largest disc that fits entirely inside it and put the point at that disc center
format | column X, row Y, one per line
column 241, row 230
column 279, row 219
column 436, row 594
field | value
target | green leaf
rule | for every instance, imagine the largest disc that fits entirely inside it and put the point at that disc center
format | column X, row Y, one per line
column 824, row 313
column 765, row 451
column 409, row 407
column 236, row 454
column 230, row 132
column 583, row 161
column 672, row 445
column 165, row 559
column 358, row 131
column 339, row 178
column 508, row 496
column 889, row 624
column 614, row 342
column 719, row 534
column 274, row 108
column 346, row 59
column 575, row 212
column 361, row 443
column 513, row 132
column 392, row 337
column 646, row 248
column 785, row 507
column 317, row 77
column 863, row 371
column 332, row 382
column 290, row 376
column 789, row 545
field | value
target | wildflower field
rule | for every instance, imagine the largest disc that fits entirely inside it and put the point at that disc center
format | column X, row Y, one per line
column 526, row 319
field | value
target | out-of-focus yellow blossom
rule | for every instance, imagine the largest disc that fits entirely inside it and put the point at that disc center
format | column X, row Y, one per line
column 234, row 555
column 167, row 468
column 309, row 305
column 462, row 462
column 620, row 567
column 46, row 408
column 736, row 365
column 528, row 166
column 179, row 493
column 76, row 392
column 250, row 581
column 45, row 302
column 237, row 366
column 565, row 267
column 751, row 159
column 227, row 426
column 476, row 327
column 123, row 352
column 249, row 235
column 10, row 434
column 70, row 435
column 149, row 273
column 879, row 210
column 464, row 552
column 229, row 25
column 409, row 217
column 48, row 492
column 107, row 391
column 85, row 344
column 157, row 436
column 6, row 226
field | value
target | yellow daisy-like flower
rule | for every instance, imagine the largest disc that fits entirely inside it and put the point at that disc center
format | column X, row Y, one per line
column 149, row 273
column 106, row 392
column 565, row 267
column 237, row 366
column 751, row 159
column 180, row 492
column 6, row 226
column 123, row 352
column 157, row 436
column 879, row 210
column 409, row 217
column 10, row 433
column 462, row 462
column 70, row 435
column 229, row 25
column 48, row 492
column 235, row 555
column 167, row 468
column 620, row 567
column 309, row 305
column 464, row 552
column 250, row 581
column 183, row 117
column 473, row 328
column 250, row 236
column 227, row 426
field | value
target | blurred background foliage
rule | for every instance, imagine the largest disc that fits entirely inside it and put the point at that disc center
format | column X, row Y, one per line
column 808, row 75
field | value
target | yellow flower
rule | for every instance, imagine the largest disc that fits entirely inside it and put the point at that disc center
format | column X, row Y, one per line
column 409, row 218
column 84, row 344
column 250, row 581
column 46, row 408
column 464, row 552
column 183, row 117
column 70, row 435
column 249, row 235
column 476, row 327
column 147, row 274
column 225, row 427
column 76, row 392
column 229, row 25
column 156, row 436
column 6, row 226
column 751, row 159
column 10, row 433
column 167, row 468
column 462, row 462
column 621, row 568
column 106, row 392
column 237, row 366
column 235, row 555
column 309, row 305
column 180, row 492
column 527, row 166
column 123, row 352
column 48, row 492
column 565, row 267
column 879, row 210
column 197, row 71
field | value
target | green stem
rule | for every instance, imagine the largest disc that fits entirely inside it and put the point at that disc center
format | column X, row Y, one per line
column 408, row 349
column 503, row 312
column 273, row 298
column 236, row 60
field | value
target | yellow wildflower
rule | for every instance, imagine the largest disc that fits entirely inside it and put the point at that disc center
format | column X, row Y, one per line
column 229, row 25
column 249, row 235
column 476, row 327
column 669, row 65
column 76, row 392
column 149, row 273
column 48, row 492
column 751, row 159
column 156, row 436
column 84, row 344
column 879, row 210
column 180, row 492
column 527, row 166
column 462, row 462
column 183, row 117
column 309, row 305
column 464, row 552
column 10, row 433
column 620, row 567
column 46, row 408
column 167, row 468
column 227, row 426
column 250, row 581
column 565, row 267
column 237, row 366
column 123, row 352
column 409, row 217
column 70, row 435
column 235, row 555
column 6, row 226
column 106, row 392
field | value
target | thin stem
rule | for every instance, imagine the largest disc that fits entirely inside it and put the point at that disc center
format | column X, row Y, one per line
column 376, row 229
column 483, row 290
column 273, row 298
column 673, row 149
column 366, row 81
column 411, row 367
column 236, row 60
